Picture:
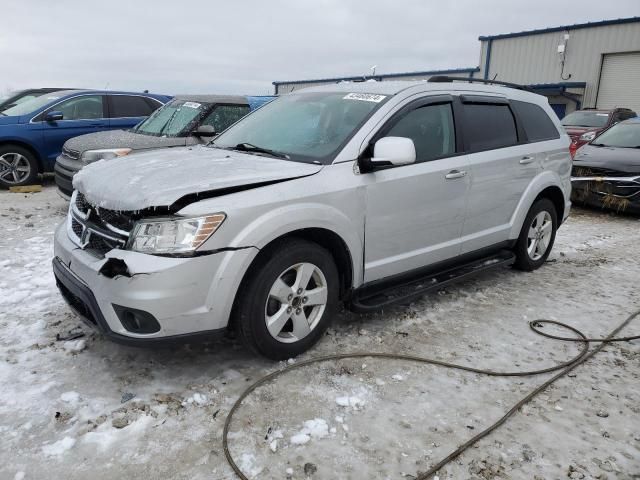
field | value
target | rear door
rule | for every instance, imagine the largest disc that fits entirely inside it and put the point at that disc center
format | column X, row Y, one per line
column 126, row 111
column 502, row 163
column 415, row 212
column 82, row 114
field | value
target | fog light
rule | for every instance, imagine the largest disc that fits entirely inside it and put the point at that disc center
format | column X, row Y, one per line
column 136, row 321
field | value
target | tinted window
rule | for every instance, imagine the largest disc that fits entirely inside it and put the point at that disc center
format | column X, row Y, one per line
column 223, row 116
column 535, row 121
column 129, row 106
column 431, row 129
column 585, row 118
column 489, row 126
column 87, row 107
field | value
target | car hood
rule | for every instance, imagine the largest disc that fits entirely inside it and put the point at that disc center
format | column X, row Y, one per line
column 121, row 139
column 9, row 120
column 159, row 178
column 612, row 158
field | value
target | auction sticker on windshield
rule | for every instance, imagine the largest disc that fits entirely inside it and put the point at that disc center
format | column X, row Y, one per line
column 365, row 97
column 192, row 104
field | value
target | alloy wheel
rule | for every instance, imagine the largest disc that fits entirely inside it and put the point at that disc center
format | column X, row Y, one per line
column 539, row 235
column 296, row 302
column 14, row 168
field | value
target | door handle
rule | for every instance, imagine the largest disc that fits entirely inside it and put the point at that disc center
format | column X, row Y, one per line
column 525, row 160
column 455, row 174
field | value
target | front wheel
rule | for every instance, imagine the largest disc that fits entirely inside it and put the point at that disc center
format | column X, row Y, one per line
column 18, row 166
column 288, row 299
column 537, row 236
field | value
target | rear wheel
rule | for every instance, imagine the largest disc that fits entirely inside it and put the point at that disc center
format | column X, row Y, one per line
column 288, row 299
column 18, row 166
column 537, row 235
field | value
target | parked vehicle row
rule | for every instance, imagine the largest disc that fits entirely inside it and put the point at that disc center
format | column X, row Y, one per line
column 185, row 120
column 341, row 193
column 33, row 131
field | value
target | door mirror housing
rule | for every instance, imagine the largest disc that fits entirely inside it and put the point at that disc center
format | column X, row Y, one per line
column 204, row 131
column 393, row 151
column 54, row 116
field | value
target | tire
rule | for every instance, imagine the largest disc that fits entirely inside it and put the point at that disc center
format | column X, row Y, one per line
column 274, row 292
column 529, row 256
column 18, row 166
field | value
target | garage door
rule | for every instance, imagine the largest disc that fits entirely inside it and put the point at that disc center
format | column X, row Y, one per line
column 619, row 81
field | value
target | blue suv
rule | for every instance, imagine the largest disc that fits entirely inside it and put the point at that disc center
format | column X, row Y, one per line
column 32, row 133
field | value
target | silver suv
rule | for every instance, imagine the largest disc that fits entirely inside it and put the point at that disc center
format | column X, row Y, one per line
column 362, row 193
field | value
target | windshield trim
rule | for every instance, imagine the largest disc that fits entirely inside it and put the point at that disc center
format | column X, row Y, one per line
column 327, row 159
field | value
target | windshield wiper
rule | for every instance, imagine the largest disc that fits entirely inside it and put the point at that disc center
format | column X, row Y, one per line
column 248, row 147
column 598, row 144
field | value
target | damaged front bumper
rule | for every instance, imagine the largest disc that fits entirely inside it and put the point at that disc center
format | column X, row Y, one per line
column 137, row 298
column 619, row 193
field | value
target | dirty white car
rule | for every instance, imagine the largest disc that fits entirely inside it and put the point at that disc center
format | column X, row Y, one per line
column 363, row 193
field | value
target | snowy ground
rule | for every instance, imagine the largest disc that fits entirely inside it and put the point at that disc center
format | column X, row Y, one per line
column 90, row 408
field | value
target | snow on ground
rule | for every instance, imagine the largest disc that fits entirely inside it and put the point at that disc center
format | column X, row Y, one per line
column 85, row 407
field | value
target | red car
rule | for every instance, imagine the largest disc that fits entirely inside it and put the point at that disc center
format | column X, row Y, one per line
column 584, row 125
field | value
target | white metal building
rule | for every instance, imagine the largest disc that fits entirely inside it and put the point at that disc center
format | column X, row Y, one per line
column 594, row 65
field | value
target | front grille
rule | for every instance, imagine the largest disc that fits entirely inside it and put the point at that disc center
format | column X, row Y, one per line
column 599, row 172
column 72, row 154
column 97, row 229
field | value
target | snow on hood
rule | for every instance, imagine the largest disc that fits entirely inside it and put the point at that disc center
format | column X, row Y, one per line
column 158, row 178
column 121, row 139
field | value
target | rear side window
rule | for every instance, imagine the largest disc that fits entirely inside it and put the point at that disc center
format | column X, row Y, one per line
column 128, row 106
column 535, row 121
column 489, row 126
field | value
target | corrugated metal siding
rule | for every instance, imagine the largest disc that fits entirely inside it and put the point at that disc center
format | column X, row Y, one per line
column 620, row 81
column 535, row 59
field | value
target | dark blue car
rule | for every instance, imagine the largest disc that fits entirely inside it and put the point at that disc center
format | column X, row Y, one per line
column 32, row 133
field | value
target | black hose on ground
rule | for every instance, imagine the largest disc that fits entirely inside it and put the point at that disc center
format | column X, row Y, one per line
column 563, row 368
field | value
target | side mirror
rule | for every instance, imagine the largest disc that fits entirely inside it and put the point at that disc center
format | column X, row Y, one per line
column 393, row 151
column 204, row 131
column 53, row 116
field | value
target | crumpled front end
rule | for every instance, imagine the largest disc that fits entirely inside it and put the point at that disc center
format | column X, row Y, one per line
column 606, row 188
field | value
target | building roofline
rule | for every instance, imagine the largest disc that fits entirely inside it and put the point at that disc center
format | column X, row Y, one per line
column 577, row 26
column 378, row 77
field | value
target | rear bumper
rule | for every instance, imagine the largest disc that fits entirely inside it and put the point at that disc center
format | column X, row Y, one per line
column 188, row 297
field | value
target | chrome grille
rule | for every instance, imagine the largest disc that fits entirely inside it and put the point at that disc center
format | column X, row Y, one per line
column 72, row 154
column 96, row 229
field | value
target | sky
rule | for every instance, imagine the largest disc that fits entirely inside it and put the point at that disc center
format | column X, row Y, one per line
column 209, row 46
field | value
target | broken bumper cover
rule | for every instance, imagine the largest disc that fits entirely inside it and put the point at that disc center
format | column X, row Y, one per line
column 619, row 193
column 187, row 297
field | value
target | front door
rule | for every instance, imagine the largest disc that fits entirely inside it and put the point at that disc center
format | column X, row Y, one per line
column 81, row 115
column 415, row 213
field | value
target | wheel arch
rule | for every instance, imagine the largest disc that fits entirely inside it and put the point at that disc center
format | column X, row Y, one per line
column 26, row 146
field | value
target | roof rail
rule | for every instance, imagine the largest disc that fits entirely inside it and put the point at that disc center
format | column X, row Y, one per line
column 445, row 79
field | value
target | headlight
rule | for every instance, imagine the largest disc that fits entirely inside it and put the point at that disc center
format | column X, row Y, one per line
column 104, row 154
column 180, row 235
column 587, row 137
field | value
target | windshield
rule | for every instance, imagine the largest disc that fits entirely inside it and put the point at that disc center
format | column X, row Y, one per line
column 306, row 127
column 175, row 119
column 624, row 135
column 585, row 119
column 31, row 105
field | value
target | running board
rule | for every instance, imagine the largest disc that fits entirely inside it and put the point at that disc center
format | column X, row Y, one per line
column 371, row 298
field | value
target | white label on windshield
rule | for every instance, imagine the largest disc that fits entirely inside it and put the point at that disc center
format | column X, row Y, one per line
column 192, row 104
column 365, row 97
column 52, row 98
column 602, row 114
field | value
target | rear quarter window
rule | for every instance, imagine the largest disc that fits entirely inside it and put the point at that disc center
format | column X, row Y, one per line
column 489, row 126
column 535, row 121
